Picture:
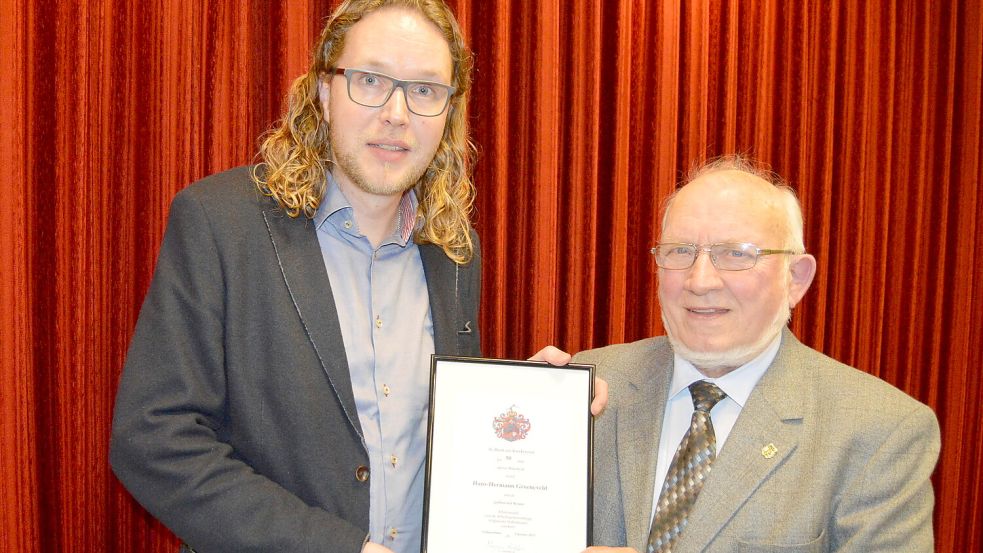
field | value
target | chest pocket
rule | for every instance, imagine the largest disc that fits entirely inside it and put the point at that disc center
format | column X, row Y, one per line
column 815, row 546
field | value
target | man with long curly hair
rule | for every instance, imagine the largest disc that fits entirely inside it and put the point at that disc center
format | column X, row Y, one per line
column 275, row 394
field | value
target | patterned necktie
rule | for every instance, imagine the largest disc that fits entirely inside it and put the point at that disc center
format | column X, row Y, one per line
column 689, row 469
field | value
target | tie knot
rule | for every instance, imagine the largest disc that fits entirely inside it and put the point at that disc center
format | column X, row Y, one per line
column 705, row 395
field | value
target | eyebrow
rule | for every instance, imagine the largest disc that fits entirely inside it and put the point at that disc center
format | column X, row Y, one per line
column 382, row 67
column 724, row 241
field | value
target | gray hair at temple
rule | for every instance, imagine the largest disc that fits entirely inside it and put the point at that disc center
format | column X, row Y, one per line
column 738, row 162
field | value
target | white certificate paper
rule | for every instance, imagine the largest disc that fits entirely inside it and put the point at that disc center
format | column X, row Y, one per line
column 509, row 457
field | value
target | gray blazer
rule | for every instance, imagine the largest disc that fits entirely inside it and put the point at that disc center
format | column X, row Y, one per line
column 822, row 458
column 235, row 422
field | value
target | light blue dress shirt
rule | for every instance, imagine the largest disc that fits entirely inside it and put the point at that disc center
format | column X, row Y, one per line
column 384, row 311
column 737, row 384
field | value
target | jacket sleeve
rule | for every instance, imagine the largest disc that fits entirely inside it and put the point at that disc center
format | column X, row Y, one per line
column 888, row 506
column 165, row 445
column 475, row 302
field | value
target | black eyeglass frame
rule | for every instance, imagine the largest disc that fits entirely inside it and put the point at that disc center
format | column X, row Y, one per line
column 397, row 83
column 758, row 252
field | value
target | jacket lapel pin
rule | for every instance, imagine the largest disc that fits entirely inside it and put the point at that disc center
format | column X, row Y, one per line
column 769, row 451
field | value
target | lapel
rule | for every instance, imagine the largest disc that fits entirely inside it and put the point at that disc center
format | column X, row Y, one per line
column 299, row 256
column 769, row 417
column 639, row 430
column 442, row 276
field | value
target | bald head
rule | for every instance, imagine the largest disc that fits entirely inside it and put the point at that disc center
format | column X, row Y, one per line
column 742, row 183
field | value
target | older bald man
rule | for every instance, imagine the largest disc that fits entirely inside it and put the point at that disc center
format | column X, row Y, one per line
column 731, row 435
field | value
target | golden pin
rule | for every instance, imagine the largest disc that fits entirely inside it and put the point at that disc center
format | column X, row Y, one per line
column 769, row 451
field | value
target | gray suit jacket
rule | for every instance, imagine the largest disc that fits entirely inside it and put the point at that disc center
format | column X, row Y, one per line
column 235, row 422
column 850, row 471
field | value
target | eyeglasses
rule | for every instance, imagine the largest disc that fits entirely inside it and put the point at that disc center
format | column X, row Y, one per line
column 372, row 90
column 726, row 257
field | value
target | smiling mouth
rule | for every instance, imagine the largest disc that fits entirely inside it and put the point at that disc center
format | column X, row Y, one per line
column 390, row 147
column 707, row 310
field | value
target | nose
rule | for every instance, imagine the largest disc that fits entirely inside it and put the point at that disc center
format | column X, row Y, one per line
column 394, row 111
column 703, row 276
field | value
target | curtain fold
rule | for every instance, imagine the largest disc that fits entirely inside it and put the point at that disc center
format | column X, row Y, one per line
column 586, row 115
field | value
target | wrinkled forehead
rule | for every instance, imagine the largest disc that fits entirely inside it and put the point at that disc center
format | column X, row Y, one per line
column 727, row 205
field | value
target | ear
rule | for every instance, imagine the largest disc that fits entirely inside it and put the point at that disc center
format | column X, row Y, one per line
column 324, row 94
column 801, row 272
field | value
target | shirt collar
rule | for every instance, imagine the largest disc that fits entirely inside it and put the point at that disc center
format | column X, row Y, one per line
column 336, row 210
column 737, row 384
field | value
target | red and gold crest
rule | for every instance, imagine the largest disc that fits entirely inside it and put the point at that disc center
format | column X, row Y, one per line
column 511, row 425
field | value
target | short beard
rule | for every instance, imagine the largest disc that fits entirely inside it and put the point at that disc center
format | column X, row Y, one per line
column 735, row 356
column 347, row 163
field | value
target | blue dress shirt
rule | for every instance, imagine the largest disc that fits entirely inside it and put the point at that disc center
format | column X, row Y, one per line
column 737, row 384
column 384, row 311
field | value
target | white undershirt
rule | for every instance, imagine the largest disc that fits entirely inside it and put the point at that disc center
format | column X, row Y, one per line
column 737, row 384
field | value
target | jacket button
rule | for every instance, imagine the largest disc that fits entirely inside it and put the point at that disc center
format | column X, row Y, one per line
column 362, row 473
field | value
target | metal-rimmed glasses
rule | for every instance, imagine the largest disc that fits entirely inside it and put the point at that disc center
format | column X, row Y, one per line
column 372, row 90
column 727, row 256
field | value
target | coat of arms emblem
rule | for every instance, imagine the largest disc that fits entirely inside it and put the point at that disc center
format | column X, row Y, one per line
column 511, row 425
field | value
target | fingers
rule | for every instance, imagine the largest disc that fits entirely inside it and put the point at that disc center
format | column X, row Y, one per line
column 600, row 400
column 552, row 355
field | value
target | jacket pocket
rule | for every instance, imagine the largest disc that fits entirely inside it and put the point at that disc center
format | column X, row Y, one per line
column 817, row 545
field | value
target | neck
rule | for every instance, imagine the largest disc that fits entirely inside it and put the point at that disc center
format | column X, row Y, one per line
column 376, row 213
column 715, row 372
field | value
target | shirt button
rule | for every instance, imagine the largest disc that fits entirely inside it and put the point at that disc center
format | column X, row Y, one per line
column 362, row 473
column 348, row 224
column 386, row 390
column 378, row 322
column 392, row 533
column 393, row 459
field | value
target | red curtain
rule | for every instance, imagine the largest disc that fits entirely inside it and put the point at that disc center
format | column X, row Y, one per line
column 586, row 114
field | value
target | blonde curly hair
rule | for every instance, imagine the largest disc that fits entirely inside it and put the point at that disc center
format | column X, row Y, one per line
column 295, row 154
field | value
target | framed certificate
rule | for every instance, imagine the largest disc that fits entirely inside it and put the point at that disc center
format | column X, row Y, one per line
column 508, row 457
